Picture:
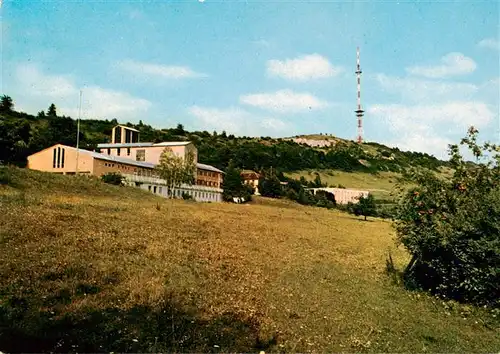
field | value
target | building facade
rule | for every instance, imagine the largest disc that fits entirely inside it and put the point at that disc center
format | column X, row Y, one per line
column 342, row 195
column 122, row 134
column 135, row 161
column 68, row 160
column 251, row 178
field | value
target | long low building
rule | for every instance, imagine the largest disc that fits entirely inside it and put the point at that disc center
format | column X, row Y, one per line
column 67, row 160
column 343, row 195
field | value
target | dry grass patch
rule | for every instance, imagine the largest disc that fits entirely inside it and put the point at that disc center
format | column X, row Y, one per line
column 112, row 272
column 381, row 184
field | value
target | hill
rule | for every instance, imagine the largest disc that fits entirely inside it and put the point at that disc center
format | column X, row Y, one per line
column 22, row 134
column 90, row 267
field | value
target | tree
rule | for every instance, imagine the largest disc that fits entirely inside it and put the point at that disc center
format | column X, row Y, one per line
column 179, row 130
column 365, row 206
column 317, row 181
column 233, row 186
column 6, row 104
column 52, row 112
column 451, row 226
column 14, row 140
column 176, row 170
column 270, row 186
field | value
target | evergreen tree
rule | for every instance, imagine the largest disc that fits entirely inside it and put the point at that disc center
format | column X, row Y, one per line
column 52, row 112
column 317, row 182
column 179, row 130
column 6, row 104
column 270, row 186
column 233, row 186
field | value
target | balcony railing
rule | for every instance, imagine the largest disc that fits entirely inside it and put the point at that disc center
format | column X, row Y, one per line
column 159, row 181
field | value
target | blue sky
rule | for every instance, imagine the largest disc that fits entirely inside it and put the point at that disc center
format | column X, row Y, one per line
column 278, row 68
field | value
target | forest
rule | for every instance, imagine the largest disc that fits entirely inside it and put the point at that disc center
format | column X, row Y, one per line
column 22, row 134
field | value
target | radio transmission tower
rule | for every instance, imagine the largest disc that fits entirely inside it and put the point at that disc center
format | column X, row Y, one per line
column 359, row 111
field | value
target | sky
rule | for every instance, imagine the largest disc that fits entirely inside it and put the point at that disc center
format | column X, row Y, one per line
column 262, row 68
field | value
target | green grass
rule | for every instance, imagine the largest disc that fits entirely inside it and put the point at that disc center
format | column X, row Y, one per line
column 89, row 267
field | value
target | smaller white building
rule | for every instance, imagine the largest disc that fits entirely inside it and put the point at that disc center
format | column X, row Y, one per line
column 343, row 195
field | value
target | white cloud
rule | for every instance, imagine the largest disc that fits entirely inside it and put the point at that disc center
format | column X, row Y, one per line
column 307, row 67
column 273, row 124
column 262, row 43
column 452, row 64
column 490, row 43
column 236, row 121
column 34, row 90
column 165, row 71
column 39, row 84
column 416, row 89
column 284, row 101
column 427, row 127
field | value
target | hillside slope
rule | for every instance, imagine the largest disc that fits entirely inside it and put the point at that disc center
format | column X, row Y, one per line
column 88, row 267
column 22, row 134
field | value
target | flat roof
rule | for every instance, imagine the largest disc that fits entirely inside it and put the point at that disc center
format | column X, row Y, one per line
column 120, row 145
column 202, row 166
column 173, row 143
column 111, row 145
column 128, row 161
column 122, row 160
column 112, row 158
column 124, row 126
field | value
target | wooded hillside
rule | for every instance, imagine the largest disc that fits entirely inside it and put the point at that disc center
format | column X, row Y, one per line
column 22, row 134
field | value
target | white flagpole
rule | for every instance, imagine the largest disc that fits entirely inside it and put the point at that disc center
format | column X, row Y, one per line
column 78, row 131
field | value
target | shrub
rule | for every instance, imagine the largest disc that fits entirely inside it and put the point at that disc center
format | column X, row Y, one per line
column 366, row 206
column 270, row 186
column 186, row 196
column 324, row 195
column 305, row 198
column 113, row 178
column 292, row 194
column 5, row 176
column 451, row 227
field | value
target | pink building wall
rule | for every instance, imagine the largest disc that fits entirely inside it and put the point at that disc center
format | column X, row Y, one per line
column 44, row 160
column 152, row 153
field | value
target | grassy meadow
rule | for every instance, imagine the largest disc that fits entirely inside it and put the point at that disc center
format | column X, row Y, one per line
column 90, row 267
column 381, row 185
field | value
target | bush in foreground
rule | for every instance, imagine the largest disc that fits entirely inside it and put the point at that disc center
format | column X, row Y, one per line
column 112, row 178
column 451, row 227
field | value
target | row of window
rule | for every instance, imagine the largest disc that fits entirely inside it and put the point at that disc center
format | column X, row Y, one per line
column 160, row 189
column 178, row 193
column 140, row 154
column 120, row 166
column 207, row 173
column 201, row 182
column 58, row 158
column 118, row 151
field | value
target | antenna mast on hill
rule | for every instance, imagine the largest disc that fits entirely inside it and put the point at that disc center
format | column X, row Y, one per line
column 359, row 111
